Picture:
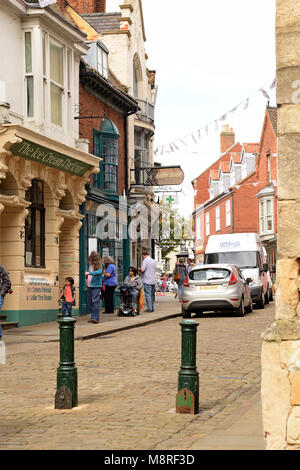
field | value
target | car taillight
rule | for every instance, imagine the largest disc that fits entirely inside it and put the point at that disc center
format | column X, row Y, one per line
column 232, row 280
column 186, row 282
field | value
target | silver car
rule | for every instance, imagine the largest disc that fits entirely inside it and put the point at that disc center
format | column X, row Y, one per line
column 215, row 287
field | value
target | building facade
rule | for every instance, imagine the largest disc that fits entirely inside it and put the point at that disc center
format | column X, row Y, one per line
column 104, row 107
column 281, row 340
column 123, row 34
column 242, row 191
column 44, row 166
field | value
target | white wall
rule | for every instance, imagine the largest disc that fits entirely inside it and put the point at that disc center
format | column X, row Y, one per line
column 12, row 64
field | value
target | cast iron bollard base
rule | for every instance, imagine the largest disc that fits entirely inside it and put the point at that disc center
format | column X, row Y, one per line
column 67, row 371
column 187, row 398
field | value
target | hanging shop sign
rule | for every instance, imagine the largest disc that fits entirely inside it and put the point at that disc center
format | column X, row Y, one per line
column 49, row 157
column 164, row 175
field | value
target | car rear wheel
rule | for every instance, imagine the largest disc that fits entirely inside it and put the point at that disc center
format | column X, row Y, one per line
column 185, row 313
column 267, row 299
column 199, row 313
column 249, row 309
column 271, row 295
column 240, row 312
column 261, row 302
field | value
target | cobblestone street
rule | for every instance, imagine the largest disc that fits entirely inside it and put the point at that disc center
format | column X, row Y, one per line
column 127, row 384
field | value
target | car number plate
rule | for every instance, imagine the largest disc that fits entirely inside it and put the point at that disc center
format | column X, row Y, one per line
column 208, row 287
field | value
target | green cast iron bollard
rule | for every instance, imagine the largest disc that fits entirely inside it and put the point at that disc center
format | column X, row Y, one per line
column 67, row 371
column 188, row 376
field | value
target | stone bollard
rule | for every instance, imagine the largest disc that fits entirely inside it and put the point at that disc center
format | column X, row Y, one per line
column 66, row 395
column 187, row 398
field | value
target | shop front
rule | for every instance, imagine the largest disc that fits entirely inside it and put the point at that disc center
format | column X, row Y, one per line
column 42, row 185
column 104, row 229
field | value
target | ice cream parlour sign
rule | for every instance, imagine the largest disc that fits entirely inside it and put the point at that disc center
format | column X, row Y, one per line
column 49, row 157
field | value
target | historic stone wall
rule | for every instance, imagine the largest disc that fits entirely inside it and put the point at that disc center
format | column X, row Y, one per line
column 281, row 341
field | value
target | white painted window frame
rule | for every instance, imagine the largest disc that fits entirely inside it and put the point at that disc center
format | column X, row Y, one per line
column 263, row 217
column 207, row 225
column 228, row 213
column 218, row 224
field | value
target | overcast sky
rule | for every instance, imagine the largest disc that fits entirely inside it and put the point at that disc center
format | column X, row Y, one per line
column 209, row 57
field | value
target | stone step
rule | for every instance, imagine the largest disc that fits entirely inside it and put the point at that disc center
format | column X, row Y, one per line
column 6, row 325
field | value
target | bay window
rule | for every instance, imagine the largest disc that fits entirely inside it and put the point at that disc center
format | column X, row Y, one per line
column 49, row 76
column 266, row 219
column 56, row 81
column 106, row 146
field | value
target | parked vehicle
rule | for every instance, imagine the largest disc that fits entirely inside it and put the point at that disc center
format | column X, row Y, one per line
column 215, row 287
column 244, row 250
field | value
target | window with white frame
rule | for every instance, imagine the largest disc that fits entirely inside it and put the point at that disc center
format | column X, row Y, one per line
column 266, row 216
column 217, row 218
column 102, row 60
column 198, row 228
column 55, row 90
column 228, row 213
column 207, row 231
column 29, row 79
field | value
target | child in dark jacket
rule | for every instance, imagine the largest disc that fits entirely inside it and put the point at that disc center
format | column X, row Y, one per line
column 67, row 296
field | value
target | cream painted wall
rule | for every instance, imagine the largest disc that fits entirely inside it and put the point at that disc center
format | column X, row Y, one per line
column 11, row 69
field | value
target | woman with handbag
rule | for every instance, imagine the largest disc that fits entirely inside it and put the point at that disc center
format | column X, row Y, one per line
column 179, row 275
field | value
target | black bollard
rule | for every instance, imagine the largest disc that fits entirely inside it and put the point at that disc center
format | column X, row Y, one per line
column 67, row 371
column 187, row 399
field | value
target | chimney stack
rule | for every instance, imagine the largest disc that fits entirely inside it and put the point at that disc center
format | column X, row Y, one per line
column 227, row 138
column 88, row 6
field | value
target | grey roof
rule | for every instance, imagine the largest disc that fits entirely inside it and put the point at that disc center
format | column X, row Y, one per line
column 103, row 21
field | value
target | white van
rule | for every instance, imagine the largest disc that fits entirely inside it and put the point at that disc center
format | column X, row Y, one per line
column 244, row 250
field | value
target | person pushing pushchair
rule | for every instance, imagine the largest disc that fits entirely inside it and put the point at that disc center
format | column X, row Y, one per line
column 130, row 292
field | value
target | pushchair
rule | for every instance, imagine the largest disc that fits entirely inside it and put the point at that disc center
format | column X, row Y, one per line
column 127, row 308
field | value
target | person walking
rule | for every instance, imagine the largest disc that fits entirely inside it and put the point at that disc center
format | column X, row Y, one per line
column 148, row 275
column 164, row 286
column 110, row 283
column 190, row 264
column 5, row 285
column 94, row 285
column 179, row 275
column 67, row 296
column 134, row 281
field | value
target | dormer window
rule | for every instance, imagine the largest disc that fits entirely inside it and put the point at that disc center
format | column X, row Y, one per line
column 102, row 59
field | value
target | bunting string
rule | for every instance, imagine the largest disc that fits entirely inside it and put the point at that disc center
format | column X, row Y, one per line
column 197, row 135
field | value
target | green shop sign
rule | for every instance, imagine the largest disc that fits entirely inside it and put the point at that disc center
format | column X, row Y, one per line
column 48, row 157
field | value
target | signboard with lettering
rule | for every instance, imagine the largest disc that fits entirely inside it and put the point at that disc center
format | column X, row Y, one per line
column 49, row 157
column 38, row 293
column 165, row 175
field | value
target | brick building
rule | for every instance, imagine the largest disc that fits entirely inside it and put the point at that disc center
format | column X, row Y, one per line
column 123, row 34
column 104, row 107
column 238, row 192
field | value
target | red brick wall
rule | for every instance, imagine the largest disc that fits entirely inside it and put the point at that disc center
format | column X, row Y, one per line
column 268, row 145
column 227, row 139
column 88, row 6
column 86, row 126
column 201, row 183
